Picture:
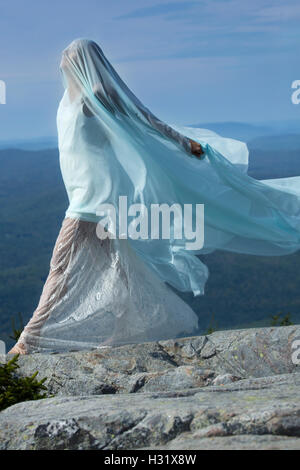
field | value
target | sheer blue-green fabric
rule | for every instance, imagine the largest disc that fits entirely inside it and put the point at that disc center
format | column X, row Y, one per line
column 112, row 145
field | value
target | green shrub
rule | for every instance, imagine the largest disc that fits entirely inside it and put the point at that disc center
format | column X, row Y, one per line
column 14, row 389
column 213, row 326
column 278, row 320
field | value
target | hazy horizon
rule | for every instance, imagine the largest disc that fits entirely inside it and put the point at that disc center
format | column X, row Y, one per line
column 234, row 129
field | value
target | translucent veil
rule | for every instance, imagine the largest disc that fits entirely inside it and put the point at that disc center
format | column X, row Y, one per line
column 111, row 145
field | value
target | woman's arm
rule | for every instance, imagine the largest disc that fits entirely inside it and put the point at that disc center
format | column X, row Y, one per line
column 189, row 145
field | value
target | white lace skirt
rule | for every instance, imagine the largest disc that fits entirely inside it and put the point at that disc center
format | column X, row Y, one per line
column 99, row 292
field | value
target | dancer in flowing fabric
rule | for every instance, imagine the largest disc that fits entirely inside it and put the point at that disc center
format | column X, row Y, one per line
column 112, row 291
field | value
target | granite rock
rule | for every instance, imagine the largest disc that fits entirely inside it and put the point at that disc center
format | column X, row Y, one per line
column 230, row 390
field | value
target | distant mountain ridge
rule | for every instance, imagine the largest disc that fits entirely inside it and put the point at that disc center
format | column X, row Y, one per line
column 245, row 131
column 248, row 131
column 41, row 143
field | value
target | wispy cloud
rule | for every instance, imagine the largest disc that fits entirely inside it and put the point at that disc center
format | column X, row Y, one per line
column 287, row 11
column 160, row 10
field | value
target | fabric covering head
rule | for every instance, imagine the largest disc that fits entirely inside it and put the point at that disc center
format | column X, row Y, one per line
column 87, row 70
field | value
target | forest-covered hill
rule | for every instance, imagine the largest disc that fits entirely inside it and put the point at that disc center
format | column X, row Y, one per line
column 241, row 291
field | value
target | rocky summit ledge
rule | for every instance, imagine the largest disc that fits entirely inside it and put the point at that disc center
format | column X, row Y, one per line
column 234, row 389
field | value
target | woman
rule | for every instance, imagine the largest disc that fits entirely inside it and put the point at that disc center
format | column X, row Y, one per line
column 110, row 291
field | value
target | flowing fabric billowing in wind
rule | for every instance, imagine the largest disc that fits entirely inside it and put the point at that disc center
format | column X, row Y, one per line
column 111, row 145
column 122, row 150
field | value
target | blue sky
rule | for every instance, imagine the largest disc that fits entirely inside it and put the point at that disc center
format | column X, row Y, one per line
column 188, row 61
